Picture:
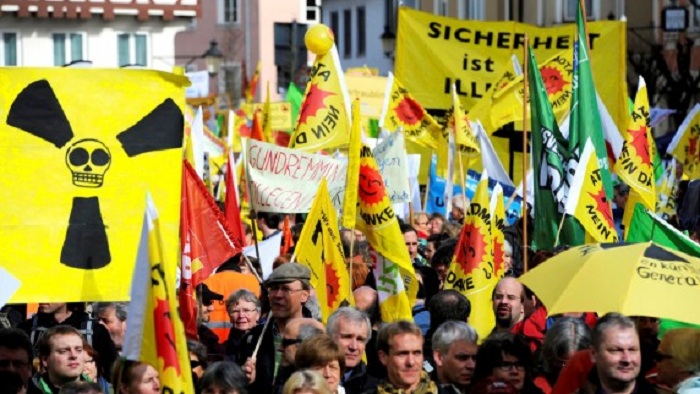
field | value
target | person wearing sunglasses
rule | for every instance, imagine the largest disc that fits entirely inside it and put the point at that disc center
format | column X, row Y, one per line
column 16, row 353
column 505, row 357
column 678, row 360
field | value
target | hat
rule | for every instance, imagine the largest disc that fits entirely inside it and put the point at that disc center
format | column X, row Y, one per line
column 207, row 295
column 289, row 272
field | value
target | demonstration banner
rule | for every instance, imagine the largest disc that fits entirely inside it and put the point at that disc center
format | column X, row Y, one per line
column 471, row 53
column 81, row 151
column 390, row 155
column 286, row 180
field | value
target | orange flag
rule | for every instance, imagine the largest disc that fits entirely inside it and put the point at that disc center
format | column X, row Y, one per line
column 256, row 131
column 286, row 236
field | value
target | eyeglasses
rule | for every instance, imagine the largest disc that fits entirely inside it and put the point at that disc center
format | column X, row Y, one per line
column 507, row 366
column 289, row 341
column 659, row 357
column 195, row 363
column 4, row 364
column 286, row 290
column 242, row 311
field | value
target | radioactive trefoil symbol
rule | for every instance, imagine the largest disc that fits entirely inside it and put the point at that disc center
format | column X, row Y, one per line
column 37, row 111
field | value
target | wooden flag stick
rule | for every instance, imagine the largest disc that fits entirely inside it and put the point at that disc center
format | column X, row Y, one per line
column 262, row 335
column 525, row 162
column 352, row 255
column 254, row 227
column 561, row 224
column 252, row 269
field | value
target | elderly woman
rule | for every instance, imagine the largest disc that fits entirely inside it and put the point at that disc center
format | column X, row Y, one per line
column 321, row 354
column 678, row 360
column 244, row 311
column 504, row 357
column 306, row 382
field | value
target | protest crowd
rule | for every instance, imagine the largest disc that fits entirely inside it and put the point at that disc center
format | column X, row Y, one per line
column 297, row 273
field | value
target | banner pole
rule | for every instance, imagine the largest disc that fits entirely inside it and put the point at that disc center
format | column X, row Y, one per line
column 254, row 227
column 352, row 255
column 525, row 162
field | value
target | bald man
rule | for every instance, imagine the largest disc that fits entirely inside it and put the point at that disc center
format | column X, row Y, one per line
column 297, row 331
column 508, row 298
column 366, row 301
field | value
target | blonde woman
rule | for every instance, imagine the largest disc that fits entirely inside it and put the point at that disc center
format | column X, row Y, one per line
column 306, row 382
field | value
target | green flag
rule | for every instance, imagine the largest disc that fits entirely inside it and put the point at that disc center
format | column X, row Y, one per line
column 646, row 226
column 549, row 162
column 294, row 96
column 584, row 123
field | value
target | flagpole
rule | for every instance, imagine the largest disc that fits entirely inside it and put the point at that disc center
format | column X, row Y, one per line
column 252, row 269
column 254, row 356
column 525, row 106
column 254, row 227
column 585, row 24
column 511, row 198
column 561, row 224
column 352, row 249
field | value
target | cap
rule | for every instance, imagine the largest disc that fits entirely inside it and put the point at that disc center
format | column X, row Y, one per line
column 289, row 272
column 207, row 295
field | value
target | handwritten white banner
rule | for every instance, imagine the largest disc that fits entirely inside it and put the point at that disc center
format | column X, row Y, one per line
column 286, row 180
column 391, row 160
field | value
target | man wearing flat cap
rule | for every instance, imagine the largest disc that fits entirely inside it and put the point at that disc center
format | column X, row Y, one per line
column 288, row 289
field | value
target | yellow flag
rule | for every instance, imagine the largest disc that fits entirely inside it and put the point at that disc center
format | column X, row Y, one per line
column 685, row 146
column 635, row 164
column 506, row 104
column 396, row 280
column 402, row 111
column 353, row 175
column 80, row 151
column 632, row 199
column 320, row 249
column 587, row 201
column 472, row 272
column 464, row 135
column 155, row 334
column 498, row 222
column 667, row 191
column 267, row 119
column 481, row 111
column 324, row 117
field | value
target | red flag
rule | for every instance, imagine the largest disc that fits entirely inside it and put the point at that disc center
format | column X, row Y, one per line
column 256, row 132
column 207, row 242
column 233, row 212
column 286, row 235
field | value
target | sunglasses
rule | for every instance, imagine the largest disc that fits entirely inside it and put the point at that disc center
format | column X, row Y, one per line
column 195, row 363
column 290, row 341
column 4, row 364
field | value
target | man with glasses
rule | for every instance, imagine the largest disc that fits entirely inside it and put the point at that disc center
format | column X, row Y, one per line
column 288, row 290
column 16, row 353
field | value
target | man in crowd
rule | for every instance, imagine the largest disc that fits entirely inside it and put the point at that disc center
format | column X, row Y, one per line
column 112, row 315
column 351, row 330
column 268, row 223
column 62, row 359
column 445, row 306
column 288, row 290
column 411, row 238
column 454, row 352
column 617, row 358
column 508, row 298
column 400, row 347
column 16, row 353
column 297, row 331
column 95, row 334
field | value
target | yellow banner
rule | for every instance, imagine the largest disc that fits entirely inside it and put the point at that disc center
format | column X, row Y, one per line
column 433, row 52
column 685, row 147
column 81, row 151
column 280, row 115
column 370, row 91
column 635, row 164
column 320, row 249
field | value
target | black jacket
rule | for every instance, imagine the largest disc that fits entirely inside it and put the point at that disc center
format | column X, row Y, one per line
column 265, row 360
column 359, row 380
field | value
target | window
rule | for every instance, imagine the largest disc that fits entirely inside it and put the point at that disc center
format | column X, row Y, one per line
column 361, row 33
column 132, row 49
column 471, row 9
column 335, row 26
column 229, row 11
column 8, row 49
column 347, row 33
column 67, row 48
column 571, row 6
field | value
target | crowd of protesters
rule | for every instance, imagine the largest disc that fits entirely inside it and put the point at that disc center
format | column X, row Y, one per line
column 268, row 337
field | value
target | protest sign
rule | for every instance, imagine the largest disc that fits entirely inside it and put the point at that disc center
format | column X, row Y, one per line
column 280, row 115
column 286, row 180
column 390, row 155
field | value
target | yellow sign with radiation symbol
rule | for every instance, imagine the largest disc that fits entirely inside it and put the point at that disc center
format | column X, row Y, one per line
column 82, row 147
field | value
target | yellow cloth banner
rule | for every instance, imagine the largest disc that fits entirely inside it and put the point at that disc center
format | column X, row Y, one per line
column 472, row 271
column 402, row 111
column 353, row 175
column 324, row 117
column 320, row 249
column 685, row 146
column 396, row 280
column 433, row 52
column 587, row 201
column 464, row 135
column 82, row 147
column 155, row 333
column 635, row 165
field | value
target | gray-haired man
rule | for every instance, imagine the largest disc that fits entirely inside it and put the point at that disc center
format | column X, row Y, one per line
column 454, row 352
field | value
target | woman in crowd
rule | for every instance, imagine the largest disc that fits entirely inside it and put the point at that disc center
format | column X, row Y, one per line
column 134, row 377
column 678, row 361
column 321, row 354
column 198, row 359
column 506, row 358
column 306, row 382
column 244, row 310
column 93, row 367
column 223, row 377
column 567, row 336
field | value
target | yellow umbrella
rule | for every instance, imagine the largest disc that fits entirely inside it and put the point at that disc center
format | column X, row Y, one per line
column 636, row 279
